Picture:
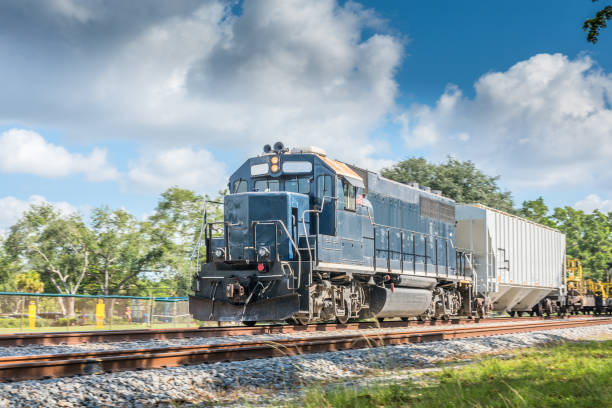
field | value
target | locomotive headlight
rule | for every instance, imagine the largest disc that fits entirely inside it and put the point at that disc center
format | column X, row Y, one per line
column 263, row 252
column 220, row 253
column 274, row 160
column 274, row 168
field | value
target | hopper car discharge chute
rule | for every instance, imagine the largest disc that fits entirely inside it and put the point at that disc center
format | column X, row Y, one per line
column 305, row 238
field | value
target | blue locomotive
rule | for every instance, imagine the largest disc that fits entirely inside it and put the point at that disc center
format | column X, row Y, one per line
column 306, row 238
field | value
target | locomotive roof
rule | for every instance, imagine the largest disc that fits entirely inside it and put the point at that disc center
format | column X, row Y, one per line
column 368, row 176
column 343, row 169
column 359, row 177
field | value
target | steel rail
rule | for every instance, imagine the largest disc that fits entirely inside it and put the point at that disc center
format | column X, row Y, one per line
column 78, row 337
column 61, row 365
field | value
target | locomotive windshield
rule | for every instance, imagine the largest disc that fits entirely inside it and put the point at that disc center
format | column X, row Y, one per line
column 298, row 185
column 290, row 184
column 267, row 185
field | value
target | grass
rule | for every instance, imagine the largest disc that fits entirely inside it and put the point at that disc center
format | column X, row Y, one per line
column 567, row 375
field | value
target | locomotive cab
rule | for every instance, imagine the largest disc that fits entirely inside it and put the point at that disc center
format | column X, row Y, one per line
column 257, row 260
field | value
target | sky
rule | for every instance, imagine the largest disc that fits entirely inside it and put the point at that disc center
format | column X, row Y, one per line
column 110, row 102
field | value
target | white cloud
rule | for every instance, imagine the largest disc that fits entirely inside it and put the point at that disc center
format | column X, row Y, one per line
column 300, row 71
column 11, row 209
column 182, row 167
column 72, row 9
column 594, row 202
column 545, row 122
column 27, row 152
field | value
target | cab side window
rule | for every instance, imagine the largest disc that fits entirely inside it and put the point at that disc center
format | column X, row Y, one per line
column 350, row 193
column 324, row 186
column 240, row 186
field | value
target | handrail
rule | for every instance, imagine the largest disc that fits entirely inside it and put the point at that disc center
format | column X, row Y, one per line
column 306, row 234
column 447, row 240
column 254, row 224
column 254, row 227
column 196, row 249
column 226, row 226
column 405, row 229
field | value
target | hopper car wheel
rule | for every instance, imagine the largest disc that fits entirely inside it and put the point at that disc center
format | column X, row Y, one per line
column 425, row 317
column 405, row 319
column 520, row 314
column 249, row 323
column 380, row 319
column 512, row 313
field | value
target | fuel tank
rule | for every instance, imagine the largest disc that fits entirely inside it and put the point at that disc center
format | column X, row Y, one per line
column 399, row 302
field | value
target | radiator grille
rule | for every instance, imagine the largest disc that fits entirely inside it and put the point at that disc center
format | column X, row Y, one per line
column 437, row 210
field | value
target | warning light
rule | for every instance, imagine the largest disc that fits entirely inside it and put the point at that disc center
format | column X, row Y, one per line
column 274, row 160
column 274, row 168
column 260, row 267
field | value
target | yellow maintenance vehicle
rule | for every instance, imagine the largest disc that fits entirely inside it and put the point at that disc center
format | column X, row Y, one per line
column 586, row 295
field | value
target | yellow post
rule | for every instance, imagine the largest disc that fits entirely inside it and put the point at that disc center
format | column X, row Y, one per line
column 100, row 312
column 32, row 314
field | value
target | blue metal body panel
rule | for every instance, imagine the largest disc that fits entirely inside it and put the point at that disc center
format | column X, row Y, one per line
column 390, row 218
column 245, row 212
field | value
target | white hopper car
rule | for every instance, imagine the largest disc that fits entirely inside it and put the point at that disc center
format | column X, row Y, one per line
column 518, row 265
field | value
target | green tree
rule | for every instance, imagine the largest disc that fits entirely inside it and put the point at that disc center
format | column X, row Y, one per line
column 29, row 282
column 9, row 267
column 121, row 251
column 588, row 237
column 461, row 181
column 536, row 211
column 57, row 245
column 175, row 229
column 594, row 25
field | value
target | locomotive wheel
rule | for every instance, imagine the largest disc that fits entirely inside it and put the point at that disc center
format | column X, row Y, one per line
column 405, row 319
column 249, row 323
column 344, row 319
column 301, row 320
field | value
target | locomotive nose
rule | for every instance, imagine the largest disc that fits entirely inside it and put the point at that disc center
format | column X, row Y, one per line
column 263, row 226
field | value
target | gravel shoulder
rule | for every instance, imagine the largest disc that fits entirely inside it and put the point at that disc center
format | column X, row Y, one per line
column 266, row 381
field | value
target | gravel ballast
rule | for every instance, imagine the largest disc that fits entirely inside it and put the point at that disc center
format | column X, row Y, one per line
column 233, row 382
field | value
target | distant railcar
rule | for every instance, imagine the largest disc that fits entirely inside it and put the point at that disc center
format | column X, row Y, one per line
column 585, row 295
column 306, row 238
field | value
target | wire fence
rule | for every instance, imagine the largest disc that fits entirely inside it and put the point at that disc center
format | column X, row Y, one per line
column 26, row 312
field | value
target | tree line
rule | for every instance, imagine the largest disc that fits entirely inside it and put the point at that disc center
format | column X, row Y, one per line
column 111, row 253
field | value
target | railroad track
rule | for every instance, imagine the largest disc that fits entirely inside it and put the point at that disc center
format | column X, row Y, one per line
column 61, row 365
column 77, row 337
